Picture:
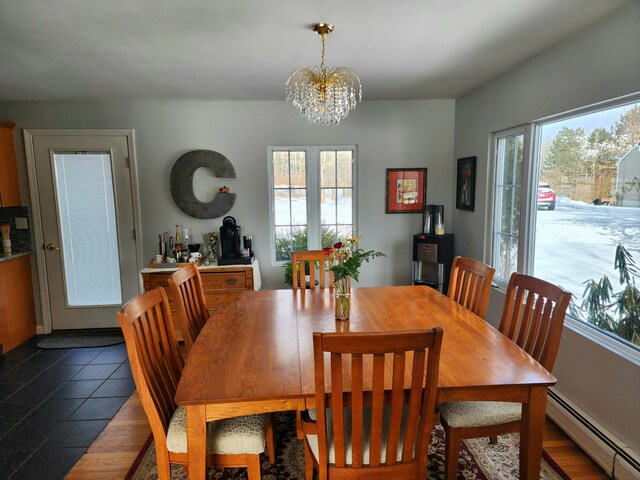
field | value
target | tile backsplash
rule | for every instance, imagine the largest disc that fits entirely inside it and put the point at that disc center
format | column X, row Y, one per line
column 20, row 238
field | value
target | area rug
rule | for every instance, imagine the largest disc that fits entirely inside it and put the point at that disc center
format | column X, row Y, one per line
column 478, row 459
column 81, row 339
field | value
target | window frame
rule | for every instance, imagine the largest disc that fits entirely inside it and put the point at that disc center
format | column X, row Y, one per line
column 528, row 213
column 312, row 172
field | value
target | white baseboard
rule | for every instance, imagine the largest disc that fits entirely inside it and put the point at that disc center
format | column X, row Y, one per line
column 598, row 449
column 39, row 330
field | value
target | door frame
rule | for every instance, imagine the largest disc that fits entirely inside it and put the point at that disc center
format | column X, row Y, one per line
column 38, row 234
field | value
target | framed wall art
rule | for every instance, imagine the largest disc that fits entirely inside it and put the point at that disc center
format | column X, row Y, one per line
column 466, row 184
column 406, row 190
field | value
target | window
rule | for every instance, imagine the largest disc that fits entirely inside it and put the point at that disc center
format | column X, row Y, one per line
column 508, row 195
column 313, row 193
column 568, row 211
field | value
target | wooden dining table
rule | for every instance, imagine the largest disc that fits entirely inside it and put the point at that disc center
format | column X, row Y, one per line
column 255, row 355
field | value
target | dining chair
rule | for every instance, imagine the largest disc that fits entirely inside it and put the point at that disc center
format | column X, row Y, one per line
column 470, row 284
column 359, row 430
column 191, row 306
column 157, row 365
column 299, row 262
column 532, row 317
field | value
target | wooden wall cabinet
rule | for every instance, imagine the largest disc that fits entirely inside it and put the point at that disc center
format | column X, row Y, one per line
column 214, row 280
column 9, row 185
column 17, row 312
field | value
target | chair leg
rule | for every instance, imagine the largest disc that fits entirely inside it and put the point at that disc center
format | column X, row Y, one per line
column 164, row 467
column 453, row 441
column 308, row 462
column 493, row 439
column 299, row 432
column 253, row 467
column 271, row 439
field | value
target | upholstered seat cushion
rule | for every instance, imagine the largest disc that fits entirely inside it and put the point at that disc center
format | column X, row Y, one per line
column 237, row 435
column 479, row 414
column 313, row 439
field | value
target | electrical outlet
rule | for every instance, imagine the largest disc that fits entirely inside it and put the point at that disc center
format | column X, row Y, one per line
column 21, row 223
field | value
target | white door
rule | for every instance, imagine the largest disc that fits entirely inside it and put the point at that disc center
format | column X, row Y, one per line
column 86, row 201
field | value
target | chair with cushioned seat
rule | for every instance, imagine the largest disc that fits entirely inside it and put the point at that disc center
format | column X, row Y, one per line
column 361, row 430
column 532, row 317
column 191, row 306
column 157, row 365
column 470, row 284
column 299, row 260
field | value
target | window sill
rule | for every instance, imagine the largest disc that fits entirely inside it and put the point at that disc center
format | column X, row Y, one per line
column 611, row 344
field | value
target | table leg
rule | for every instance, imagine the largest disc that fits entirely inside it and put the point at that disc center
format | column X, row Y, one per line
column 197, row 442
column 532, row 430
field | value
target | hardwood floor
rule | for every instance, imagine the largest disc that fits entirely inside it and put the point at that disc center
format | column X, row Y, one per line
column 113, row 452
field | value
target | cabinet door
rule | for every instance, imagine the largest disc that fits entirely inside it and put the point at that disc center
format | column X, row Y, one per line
column 9, row 186
column 17, row 311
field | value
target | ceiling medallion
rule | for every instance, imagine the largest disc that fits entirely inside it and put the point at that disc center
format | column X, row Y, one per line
column 321, row 94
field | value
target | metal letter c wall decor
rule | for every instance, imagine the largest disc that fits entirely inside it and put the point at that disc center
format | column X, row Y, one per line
column 182, row 183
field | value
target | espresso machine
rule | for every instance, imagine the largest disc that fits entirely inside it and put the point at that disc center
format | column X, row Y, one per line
column 230, row 244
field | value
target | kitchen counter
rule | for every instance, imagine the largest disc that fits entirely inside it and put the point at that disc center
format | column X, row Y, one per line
column 10, row 256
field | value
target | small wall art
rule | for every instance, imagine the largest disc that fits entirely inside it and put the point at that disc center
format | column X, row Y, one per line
column 466, row 184
column 406, row 190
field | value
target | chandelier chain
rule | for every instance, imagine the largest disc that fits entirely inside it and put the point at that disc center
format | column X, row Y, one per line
column 322, row 66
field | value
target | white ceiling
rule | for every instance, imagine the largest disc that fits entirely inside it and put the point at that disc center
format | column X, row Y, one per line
column 245, row 49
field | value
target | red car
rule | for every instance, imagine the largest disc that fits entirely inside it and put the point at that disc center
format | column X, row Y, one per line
column 546, row 196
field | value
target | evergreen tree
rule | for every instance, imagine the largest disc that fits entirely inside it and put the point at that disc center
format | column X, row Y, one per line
column 567, row 161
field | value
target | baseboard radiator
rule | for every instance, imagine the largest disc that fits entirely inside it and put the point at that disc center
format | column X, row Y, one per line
column 615, row 458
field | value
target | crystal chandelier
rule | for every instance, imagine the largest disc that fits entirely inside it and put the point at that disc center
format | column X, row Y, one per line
column 324, row 95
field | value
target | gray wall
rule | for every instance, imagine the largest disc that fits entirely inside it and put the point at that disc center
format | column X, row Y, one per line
column 388, row 134
column 600, row 63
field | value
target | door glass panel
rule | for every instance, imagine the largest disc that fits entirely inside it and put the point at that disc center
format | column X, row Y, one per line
column 86, row 214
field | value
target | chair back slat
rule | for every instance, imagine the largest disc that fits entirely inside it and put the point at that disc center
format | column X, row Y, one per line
column 537, row 327
column 156, row 363
column 470, row 284
column 417, row 376
column 387, row 380
column 311, row 258
column 377, row 410
column 357, row 405
column 191, row 306
column 397, row 403
column 337, row 408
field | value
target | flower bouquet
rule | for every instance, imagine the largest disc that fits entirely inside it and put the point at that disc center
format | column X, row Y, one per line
column 348, row 257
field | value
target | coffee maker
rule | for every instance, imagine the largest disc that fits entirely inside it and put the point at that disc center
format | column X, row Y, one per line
column 229, row 241
column 230, row 244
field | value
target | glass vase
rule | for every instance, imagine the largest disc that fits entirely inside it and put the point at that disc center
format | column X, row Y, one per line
column 211, row 241
column 342, row 290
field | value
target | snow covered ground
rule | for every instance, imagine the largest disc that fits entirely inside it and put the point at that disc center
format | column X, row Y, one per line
column 577, row 241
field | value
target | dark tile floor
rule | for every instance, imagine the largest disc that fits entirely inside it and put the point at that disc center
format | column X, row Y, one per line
column 55, row 403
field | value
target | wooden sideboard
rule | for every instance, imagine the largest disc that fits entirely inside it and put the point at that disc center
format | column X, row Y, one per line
column 214, row 280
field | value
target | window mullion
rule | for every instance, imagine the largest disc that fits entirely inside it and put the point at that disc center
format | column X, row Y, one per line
column 313, row 198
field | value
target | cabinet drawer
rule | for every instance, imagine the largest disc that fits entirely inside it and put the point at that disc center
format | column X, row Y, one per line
column 159, row 280
column 224, row 281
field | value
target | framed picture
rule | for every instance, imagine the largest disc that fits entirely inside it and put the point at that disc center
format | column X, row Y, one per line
column 406, row 190
column 466, row 184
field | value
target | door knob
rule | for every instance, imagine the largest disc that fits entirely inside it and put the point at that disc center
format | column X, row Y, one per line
column 52, row 246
